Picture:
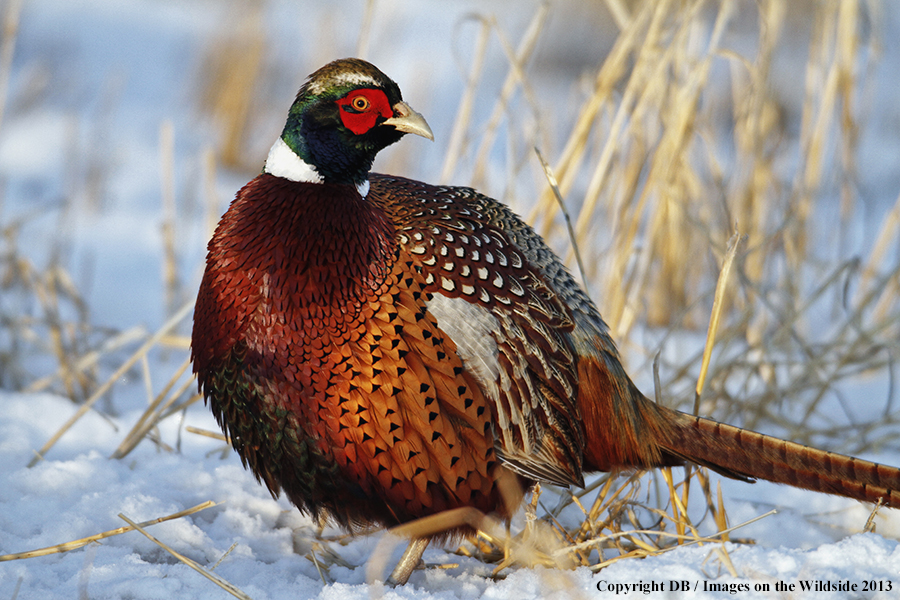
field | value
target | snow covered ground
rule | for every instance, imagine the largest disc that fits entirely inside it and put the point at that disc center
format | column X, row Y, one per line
column 78, row 491
column 92, row 83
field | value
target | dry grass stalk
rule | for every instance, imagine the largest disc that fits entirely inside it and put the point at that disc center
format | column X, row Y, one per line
column 718, row 300
column 219, row 581
column 211, row 204
column 146, row 347
column 233, row 67
column 169, row 213
column 8, row 48
column 90, row 359
column 889, row 231
column 177, row 408
column 365, row 30
column 684, row 540
column 159, row 405
column 725, row 559
column 668, row 180
column 681, row 539
column 52, row 289
column 573, row 153
column 614, row 504
column 464, row 112
column 224, row 556
column 619, row 13
column 75, row 544
column 869, row 527
column 678, row 504
column 551, row 181
column 515, row 78
column 210, row 434
column 44, row 314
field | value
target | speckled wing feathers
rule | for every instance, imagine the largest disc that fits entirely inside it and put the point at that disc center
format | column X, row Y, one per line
column 456, row 239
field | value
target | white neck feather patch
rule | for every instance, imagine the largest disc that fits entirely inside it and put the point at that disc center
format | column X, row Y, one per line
column 284, row 162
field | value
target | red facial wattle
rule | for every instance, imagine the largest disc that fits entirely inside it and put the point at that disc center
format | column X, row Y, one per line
column 360, row 109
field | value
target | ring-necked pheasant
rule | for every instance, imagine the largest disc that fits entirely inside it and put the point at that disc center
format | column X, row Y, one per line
column 382, row 349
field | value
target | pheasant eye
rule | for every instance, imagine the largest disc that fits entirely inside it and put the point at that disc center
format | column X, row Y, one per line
column 360, row 103
column 361, row 109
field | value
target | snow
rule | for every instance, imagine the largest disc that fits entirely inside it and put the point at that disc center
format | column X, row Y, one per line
column 108, row 74
column 80, row 492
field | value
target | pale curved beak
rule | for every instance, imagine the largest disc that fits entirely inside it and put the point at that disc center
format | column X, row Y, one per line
column 409, row 121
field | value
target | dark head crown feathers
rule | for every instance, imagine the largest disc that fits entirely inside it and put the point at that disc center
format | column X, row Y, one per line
column 344, row 114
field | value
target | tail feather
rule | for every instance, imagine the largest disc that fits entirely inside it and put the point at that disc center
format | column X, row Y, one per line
column 623, row 429
column 745, row 454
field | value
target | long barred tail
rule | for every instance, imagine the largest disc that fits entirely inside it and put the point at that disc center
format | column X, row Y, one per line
column 741, row 453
